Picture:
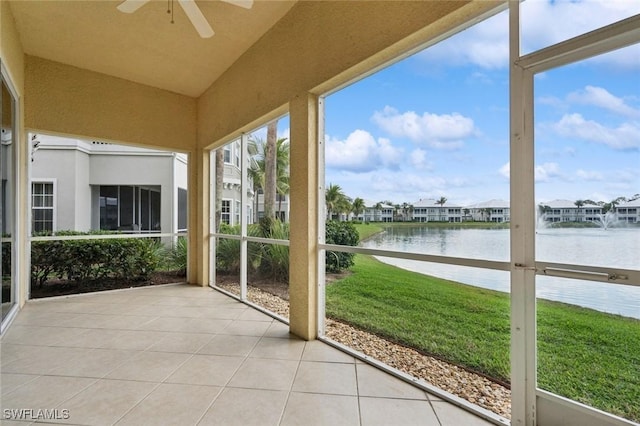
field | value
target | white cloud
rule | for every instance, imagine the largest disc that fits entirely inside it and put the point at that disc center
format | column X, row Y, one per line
column 544, row 172
column 625, row 136
column 361, row 152
column 544, row 23
column 419, row 160
column 505, row 170
column 597, row 96
column 589, row 175
column 446, row 131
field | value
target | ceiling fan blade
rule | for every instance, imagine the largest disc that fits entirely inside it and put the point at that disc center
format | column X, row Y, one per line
column 130, row 6
column 247, row 4
column 196, row 17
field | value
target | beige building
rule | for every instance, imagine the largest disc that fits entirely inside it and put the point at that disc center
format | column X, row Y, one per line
column 83, row 69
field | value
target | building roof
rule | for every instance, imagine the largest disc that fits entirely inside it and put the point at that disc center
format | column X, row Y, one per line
column 633, row 203
column 564, row 204
column 371, row 204
column 495, row 203
column 430, row 202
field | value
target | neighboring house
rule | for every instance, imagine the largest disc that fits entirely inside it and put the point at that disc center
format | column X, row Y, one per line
column 82, row 186
column 567, row 211
column 376, row 213
column 628, row 211
column 231, row 186
column 427, row 210
column 282, row 206
column 232, row 194
column 498, row 211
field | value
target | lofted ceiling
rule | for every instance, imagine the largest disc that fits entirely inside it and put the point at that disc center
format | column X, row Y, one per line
column 144, row 46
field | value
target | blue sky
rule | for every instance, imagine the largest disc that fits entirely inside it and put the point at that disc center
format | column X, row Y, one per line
column 436, row 124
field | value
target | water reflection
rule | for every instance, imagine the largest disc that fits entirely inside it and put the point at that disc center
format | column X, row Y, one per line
column 593, row 247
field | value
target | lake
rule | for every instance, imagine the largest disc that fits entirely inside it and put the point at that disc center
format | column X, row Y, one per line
column 614, row 247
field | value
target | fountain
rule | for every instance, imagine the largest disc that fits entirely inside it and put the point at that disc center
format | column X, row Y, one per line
column 607, row 220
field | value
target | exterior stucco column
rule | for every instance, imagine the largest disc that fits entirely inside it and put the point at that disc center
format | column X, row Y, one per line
column 199, row 213
column 303, row 260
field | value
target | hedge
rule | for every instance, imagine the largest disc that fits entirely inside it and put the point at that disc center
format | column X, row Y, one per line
column 85, row 260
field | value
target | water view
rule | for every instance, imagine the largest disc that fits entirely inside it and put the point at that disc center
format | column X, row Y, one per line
column 614, row 247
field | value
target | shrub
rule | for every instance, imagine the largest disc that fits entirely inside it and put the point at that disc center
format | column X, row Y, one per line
column 272, row 260
column 178, row 256
column 83, row 260
column 228, row 251
column 274, row 257
column 343, row 233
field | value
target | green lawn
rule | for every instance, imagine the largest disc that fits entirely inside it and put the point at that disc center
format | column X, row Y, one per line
column 584, row 355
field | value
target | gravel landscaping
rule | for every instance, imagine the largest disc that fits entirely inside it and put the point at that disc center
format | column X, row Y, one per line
column 474, row 388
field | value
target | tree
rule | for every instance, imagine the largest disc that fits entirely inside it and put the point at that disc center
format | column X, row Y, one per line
column 334, row 198
column 466, row 212
column 378, row 210
column 257, row 170
column 579, row 204
column 357, row 207
column 611, row 206
column 219, row 181
column 441, row 202
column 270, row 171
column 486, row 211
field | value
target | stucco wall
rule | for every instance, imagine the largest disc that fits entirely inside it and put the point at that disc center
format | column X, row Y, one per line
column 11, row 48
column 59, row 166
column 12, row 57
column 72, row 101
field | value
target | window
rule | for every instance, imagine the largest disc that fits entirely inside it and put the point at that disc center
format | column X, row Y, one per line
column 182, row 209
column 237, row 213
column 227, row 154
column 129, row 208
column 226, row 211
column 42, row 206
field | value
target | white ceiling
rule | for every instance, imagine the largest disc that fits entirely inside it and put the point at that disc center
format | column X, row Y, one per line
column 144, row 46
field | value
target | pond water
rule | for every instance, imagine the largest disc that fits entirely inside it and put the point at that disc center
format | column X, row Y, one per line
column 614, row 247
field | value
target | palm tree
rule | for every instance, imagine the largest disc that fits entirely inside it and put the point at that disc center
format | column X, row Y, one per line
column 219, row 181
column 378, row 210
column 441, row 202
column 466, row 212
column 486, row 211
column 334, row 198
column 257, row 169
column 405, row 211
column 270, row 182
column 357, row 207
column 579, row 204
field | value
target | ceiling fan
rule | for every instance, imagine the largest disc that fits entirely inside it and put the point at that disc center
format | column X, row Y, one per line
column 190, row 8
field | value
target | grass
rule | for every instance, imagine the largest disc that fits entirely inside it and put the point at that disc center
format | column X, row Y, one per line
column 585, row 355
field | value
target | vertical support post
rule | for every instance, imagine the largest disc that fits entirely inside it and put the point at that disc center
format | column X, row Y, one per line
column 199, row 210
column 244, row 187
column 303, row 249
column 322, row 219
column 523, row 293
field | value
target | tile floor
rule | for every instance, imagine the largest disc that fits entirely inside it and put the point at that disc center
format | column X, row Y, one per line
column 187, row 355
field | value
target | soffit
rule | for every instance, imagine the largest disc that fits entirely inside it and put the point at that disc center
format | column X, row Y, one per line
column 144, row 47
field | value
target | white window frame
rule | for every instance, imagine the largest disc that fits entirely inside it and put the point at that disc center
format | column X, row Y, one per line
column 54, row 207
column 229, row 213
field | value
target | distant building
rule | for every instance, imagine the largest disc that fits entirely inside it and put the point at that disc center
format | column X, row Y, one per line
column 82, row 186
column 628, row 212
column 498, row 211
column 567, row 211
column 427, row 210
column 376, row 212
